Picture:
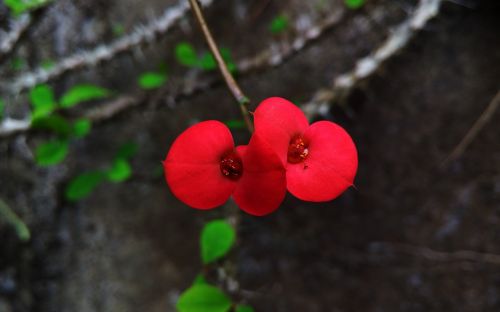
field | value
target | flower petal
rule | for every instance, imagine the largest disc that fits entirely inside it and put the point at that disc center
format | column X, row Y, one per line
column 262, row 186
column 330, row 167
column 278, row 120
column 192, row 166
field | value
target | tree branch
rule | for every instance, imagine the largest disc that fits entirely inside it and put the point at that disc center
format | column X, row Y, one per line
column 434, row 255
column 277, row 54
column 19, row 26
column 474, row 130
column 104, row 52
column 365, row 67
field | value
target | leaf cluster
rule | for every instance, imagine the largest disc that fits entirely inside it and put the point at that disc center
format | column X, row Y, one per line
column 216, row 240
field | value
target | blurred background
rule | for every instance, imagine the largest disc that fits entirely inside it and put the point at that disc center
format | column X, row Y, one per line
column 93, row 92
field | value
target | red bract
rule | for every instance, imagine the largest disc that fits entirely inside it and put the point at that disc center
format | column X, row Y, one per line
column 321, row 159
column 203, row 169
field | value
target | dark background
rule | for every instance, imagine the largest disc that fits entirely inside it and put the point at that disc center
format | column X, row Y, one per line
column 395, row 243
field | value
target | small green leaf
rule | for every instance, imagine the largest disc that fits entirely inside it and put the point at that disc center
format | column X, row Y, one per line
column 16, row 6
column 2, row 109
column 81, row 127
column 235, row 124
column 152, row 80
column 200, row 280
column 162, row 67
column 20, row 6
column 203, row 298
column 244, row 308
column 51, row 153
column 48, row 64
column 207, row 61
column 18, row 63
column 55, row 123
column 83, row 185
column 82, row 93
column 354, row 4
column 127, row 150
column 118, row 29
column 42, row 100
column 279, row 24
column 120, row 171
column 185, row 54
column 217, row 238
column 10, row 216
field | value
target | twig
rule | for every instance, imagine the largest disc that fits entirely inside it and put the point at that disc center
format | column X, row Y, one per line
column 434, row 255
column 276, row 55
column 19, row 26
column 141, row 35
column 365, row 67
column 229, row 79
column 474, row 130
column 8, row 215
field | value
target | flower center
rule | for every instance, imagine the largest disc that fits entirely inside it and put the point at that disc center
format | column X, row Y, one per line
column 231, row 166
column 297, row 150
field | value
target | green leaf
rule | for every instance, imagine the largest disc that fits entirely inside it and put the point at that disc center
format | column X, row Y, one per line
column 2, row 109
column 279, row 24
column 207, row 61
column 162, row 67
column 203, row 298
column 48, row 64
column 18, row 63
column 10, row 216
column 127, row 150
column 51, row 153
column 120, row 171
column 83, row 185
column 55, row 123
column 217, row 238
column 82, row 93
column 200, row 280
column 118, row 29
column 20, row 6
column 185, row 54
column 42, row 100
column 244, row 308
column 354, row 4
column 152, row 80
column 81, row 127
column 235, row 124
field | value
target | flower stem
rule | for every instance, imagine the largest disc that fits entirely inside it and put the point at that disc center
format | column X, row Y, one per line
column 230, row 81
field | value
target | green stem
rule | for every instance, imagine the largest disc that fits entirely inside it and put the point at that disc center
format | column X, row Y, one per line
column 21, row 229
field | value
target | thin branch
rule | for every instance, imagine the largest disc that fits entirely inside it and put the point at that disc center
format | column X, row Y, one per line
column 434, row 255
column 474, row 130
column 277, row 54
column 141, row 35
column 19, row 26
column 365, row 67
column 7, row 214
column 230, row 81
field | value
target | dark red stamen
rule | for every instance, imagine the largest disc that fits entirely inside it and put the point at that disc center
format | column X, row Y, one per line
column 231, row 166
column 297, row 150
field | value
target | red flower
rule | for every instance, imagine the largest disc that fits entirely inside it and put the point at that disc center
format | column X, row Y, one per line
column 320, row 159
column 203, row 169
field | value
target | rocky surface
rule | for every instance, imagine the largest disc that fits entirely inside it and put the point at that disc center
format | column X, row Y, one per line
column 133, row 247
